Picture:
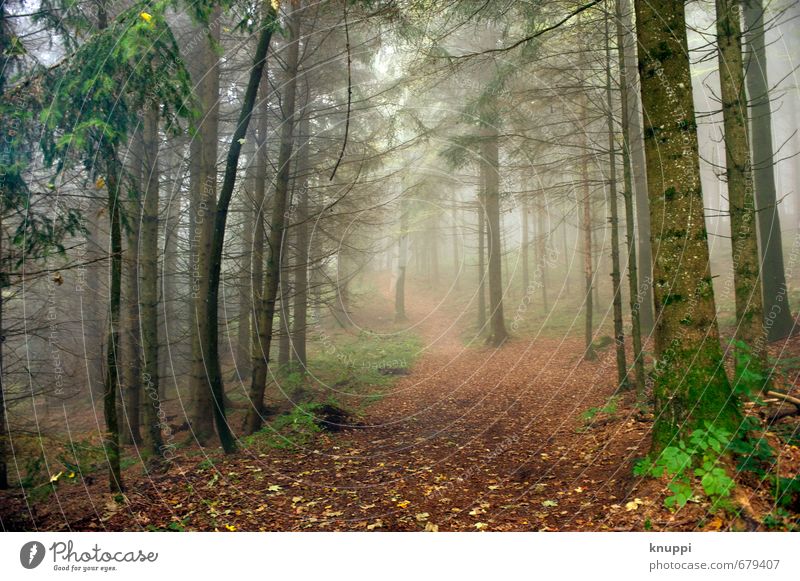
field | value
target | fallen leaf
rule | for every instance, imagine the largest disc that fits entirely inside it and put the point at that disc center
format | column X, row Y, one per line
column 481, row 526
column 422, row 516
column 549, row 503
column 431, row 528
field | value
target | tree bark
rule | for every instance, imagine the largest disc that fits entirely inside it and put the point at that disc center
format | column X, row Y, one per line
column 616, row 283
column 302, row 258
column 744, row 244
column 778, row 322
column 132, row 374
column 254, row 416
column 148, row 261
column 204, row 194
column 633, row 275
column 690, row 385
column 499, row 334
column 644, row 293
column 111, row 384
column 402, row 263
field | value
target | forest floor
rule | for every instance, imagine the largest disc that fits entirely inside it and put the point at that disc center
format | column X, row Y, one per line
column 527, row 437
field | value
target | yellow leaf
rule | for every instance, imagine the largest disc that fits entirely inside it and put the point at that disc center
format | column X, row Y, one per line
column 481, row 526
column 404, row 503
column 276, row 5
column 145, row 16
column 422, row 516
column 376, row 525
column 230, row 527
column 100, row 182
column 55, row 477
column 431, row 528
column 633, row 505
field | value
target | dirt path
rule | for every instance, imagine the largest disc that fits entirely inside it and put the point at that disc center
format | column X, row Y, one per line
column 474, row 438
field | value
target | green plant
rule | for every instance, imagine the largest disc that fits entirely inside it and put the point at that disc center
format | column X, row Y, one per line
column 609, row 408
column 698, row 457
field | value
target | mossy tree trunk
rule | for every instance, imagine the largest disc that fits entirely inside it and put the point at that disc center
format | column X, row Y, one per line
column 690, row 385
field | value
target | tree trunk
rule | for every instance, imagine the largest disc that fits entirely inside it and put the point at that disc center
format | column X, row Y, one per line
column 616, row 283
column 526, row 277
column 204, row 194
column 744, row 244
column 302, row 259
column 690, row 385
column 402, row 263
column 644, row 293
column 633, row 278
column 499, row 334
column 541, row 250
column 256, row 282
column 284, row 336
column 481, row 207
column 243, row 331
column 779, row 321
column 132, row 373
column 111, row 384
column 276, row 234
column 152, row 413
column 586, row 235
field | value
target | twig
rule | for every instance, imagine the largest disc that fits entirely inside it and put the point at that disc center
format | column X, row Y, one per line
column 349, row 93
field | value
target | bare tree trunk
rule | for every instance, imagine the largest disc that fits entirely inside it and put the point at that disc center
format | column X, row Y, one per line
column 220, row 219
column 204, row 194
column 526, row 277
column 402, row 263
column 499, row 333
column 132, row 372
column 779, row 321
column 633, row 279
column 541, row 251
column 481, row 208
column 586, row 234
column 744, row 243
column 644, row 292
column 284, row 319
column 256, row 281
column 243, row 331
column 616, row 283
column 690, row 385
column 456, row 276
column 149, row 286
column 302, row 242
column 111, row 385
column 277, row 230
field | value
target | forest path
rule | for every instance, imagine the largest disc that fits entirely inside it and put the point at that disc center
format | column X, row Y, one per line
column 474, row 438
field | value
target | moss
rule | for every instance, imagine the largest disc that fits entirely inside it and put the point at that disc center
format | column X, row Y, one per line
column 662, row 52
column 670, row 193
column 691, row 388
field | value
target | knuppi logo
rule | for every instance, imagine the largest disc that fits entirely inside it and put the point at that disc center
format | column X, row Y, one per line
column 31, row 554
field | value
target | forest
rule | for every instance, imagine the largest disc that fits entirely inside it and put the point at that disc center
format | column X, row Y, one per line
column 399, row 265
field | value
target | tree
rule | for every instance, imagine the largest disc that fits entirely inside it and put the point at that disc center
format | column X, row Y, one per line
column 489, row 150
column 627, row 194
column 277, row 230
column 690, row 385
column 619, row 335
column 778, row 322
column 747, row 287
